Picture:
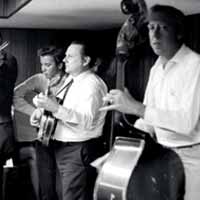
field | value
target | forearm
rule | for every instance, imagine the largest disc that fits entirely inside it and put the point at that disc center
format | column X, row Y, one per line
column 74, row 117
column 178, row 121
column 133, row 107
column 23, row 106
column 139, row 109
column 24, row 92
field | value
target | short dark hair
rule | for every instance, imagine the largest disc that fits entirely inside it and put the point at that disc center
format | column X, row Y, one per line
column 56, row 53
column 169, row 15
column 88, row 50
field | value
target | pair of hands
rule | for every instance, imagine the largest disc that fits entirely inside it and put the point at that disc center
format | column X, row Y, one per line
column 42, row 102
column 122, row 101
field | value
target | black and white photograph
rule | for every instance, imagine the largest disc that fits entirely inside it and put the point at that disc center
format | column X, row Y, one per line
column 100, row 99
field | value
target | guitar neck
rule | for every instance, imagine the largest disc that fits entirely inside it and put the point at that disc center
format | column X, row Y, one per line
column 48, row 91
column 120, row 79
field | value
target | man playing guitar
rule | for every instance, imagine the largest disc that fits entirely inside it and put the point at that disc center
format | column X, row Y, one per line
column 49, row 81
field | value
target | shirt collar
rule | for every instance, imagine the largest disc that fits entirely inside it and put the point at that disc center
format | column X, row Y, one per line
column 179, row 54
column 81, row 76
column 176, row 58
column 75, row 79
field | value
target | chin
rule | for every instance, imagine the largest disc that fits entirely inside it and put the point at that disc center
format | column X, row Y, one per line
column 157, row 51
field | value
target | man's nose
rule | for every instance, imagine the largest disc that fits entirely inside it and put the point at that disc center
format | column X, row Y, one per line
column 43, row 68
column 156, row 32
column 65, row 59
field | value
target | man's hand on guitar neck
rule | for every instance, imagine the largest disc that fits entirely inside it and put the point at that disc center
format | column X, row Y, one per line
column 47, row 103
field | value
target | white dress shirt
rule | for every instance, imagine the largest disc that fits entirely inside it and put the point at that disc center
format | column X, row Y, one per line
column 79, row 116
column 172, row 100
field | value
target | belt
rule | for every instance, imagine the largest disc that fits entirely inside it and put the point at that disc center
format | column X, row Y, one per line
column 186, row 146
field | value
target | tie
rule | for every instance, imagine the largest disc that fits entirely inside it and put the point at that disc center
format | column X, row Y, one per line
column 67, row 86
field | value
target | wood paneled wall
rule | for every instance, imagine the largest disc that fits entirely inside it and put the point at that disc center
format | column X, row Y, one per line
column 24, row 44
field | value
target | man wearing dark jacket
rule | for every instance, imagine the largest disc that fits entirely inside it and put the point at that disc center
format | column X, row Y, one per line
column 8, row 76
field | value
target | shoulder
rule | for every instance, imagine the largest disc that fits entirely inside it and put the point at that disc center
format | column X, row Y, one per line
column 93, row 83
column 37, row 77
column 95, row 80
column 33, row 82
column 40, row 76
column 185, row 54
column 191, row 60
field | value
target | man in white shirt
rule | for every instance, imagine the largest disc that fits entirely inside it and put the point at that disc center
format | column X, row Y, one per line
column 171, row 107
column 80, row 123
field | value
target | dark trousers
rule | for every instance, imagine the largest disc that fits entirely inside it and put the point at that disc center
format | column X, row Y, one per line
column 47, row 171
column 27, row 156
column 7, row 147
column 73, row 161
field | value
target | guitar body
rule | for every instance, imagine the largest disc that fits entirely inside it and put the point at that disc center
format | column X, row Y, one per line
column 138, row 169
column 47, row 127
column 50, row 127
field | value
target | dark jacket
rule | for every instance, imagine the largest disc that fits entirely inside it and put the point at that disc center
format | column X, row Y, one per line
column 8, row 76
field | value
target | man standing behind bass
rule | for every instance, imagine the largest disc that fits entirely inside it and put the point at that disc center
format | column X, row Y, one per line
column 8, row 76
column 171, row 107
column 80, row 123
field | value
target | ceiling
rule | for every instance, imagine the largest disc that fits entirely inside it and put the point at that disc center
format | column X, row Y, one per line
column 81, row 14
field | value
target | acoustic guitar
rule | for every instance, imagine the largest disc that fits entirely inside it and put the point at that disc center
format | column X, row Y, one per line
column 47, row 123
column 47, row 127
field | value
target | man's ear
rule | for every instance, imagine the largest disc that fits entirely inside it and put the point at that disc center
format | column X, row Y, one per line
column 87, row 60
